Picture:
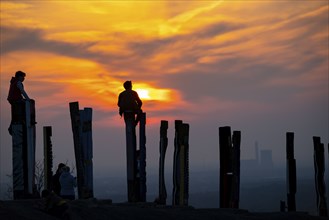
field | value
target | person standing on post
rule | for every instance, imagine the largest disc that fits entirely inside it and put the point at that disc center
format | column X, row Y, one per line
column 130, row 105
column 16, row 96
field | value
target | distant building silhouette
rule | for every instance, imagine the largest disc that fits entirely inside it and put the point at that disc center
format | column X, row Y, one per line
column 266, row 161
column 260, row 165
column 251, row 163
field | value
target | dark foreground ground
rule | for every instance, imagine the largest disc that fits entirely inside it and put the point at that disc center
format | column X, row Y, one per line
column 104, row 209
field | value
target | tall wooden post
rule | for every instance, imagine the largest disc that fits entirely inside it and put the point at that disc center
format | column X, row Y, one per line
column 163, row 147
column 48, row 157
column 185, row 174
column 141, row 161
column 23, row 138
column 235, row 198
column 175, row 197
column 131, row 150
column 181, row 164
column 291, row 172
column 226, row 171
column 75, row 121
column 82, row 138
column 319, row 161
column 87, row 151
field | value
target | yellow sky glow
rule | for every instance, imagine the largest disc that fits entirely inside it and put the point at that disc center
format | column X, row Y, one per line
column 87, row 49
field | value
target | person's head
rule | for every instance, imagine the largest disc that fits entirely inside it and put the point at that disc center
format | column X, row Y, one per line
column 60, row 166
column 20, row 75
column 127, row 85
column 66, row 169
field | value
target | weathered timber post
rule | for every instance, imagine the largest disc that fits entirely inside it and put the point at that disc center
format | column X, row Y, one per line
column 184, row 175
column 87, row 151
column 48, row 157
column 181, row 164
column 75, row 121
column 235, row 198
column 226, row 171
column 82, row 138
column 23, row 138
column 131, row 156
column 163, row 147
column 291, row 172
column 175, row 196
column 319, row 161
column 141, row 161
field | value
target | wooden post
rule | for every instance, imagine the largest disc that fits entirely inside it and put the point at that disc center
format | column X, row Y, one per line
column 186, row 174
column 131, row 150
column 175, row 193
column 75, row 121
column 81, row 121
column 163, row 147
column 321, row 200
column 291, row 172
column 85, row 134
column 226, row 172
column 142, row 158
column 23, row 134
column 235, row 198
column 48, row 157
column 30, row 123
column 181, row 164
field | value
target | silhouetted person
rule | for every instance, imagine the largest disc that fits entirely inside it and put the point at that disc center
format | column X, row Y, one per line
column 16, row 90
column 129, row 103
column 56, row 186
column 68, row 183
column 16, row 95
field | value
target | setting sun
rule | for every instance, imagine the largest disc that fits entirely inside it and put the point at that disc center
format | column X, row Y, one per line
column 143, row 93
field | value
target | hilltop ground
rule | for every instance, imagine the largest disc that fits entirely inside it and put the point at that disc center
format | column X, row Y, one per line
column 104, row 209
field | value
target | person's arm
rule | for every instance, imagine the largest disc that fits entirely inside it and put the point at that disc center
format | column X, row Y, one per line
column 21, row 88
column 74, row 181
column 119, row 104
column 119, row 101
column 138, row 100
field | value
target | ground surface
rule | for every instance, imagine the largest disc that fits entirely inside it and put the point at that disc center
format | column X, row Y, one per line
column 93, row 209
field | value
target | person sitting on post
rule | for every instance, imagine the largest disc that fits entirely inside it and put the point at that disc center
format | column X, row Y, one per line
column 129, row 102
column 16, row 89
column 16, row 95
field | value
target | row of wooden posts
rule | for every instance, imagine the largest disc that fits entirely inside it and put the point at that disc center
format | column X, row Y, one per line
column 23, row 137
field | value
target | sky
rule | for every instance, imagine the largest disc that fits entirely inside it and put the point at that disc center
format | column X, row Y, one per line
column 260, row 67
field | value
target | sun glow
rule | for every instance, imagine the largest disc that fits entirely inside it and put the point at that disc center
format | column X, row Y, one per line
column 143, row 93
column 153, row 94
